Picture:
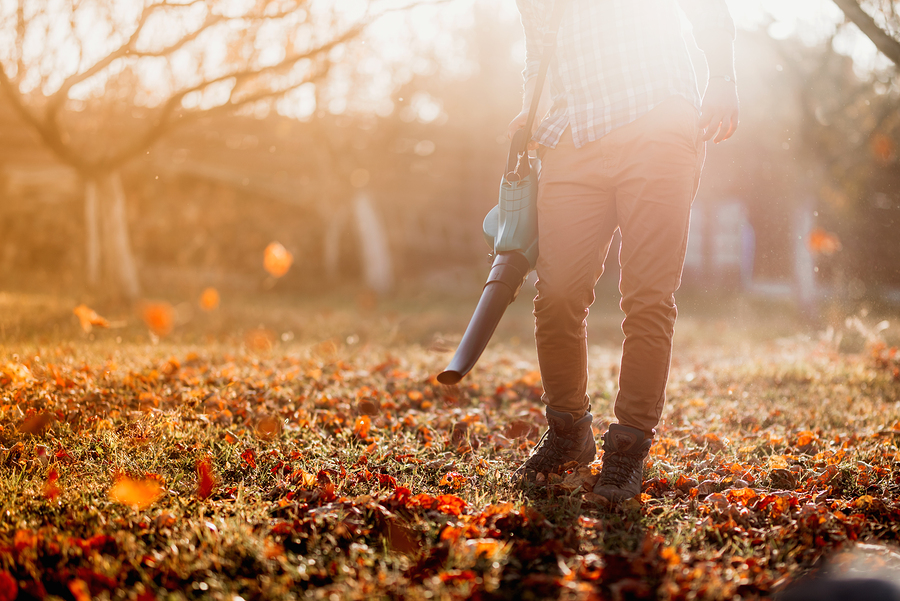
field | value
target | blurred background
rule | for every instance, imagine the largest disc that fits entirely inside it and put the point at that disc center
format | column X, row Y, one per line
column 156, row 149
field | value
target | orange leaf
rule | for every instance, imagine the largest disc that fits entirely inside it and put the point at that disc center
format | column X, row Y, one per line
column 822, row 242
column 450, row 504
column 88, row 318
column 361, row 428
column 277, row 260
column 159, row 317
column 80, row 590
column 250, row 457
column 209, row 299
column 259, row 339
column 51, row 489
column 454, row 480
column 206, row 480
column 882, row 147
column 140, row 494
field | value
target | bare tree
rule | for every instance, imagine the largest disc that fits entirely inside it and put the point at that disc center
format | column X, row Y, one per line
column 100, row 81
column 879, row 20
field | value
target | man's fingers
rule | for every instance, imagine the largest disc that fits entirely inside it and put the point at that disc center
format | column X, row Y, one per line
column 728, row 127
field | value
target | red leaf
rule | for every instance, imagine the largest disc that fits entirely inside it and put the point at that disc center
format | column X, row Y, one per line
column 206, row 481
column 250, row 457
column 9, row 590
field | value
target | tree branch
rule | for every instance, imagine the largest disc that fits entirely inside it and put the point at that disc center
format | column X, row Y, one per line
column 50, row 135
column 888, row 45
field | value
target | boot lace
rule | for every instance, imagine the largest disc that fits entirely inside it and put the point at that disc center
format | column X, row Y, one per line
column 551, row 451
column 619, row 468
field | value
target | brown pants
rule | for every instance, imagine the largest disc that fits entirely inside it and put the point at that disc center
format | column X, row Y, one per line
column 641, row 179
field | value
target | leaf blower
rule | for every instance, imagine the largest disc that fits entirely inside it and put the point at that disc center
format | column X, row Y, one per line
column 511, row 230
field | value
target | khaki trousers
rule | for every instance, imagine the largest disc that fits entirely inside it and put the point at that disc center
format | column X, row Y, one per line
column 641, row 179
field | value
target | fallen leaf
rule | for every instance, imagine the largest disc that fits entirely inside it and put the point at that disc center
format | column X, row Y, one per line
column 159, row 317
column 454, row 480
column 50, row 489
column 79, row 590
column 822, row 242
column 206, row 480
column 277, row 260
column 250, row 457
column 88, row 318
column 9, row 589
column 361, row 426
column 140, row 494
column 209, row 299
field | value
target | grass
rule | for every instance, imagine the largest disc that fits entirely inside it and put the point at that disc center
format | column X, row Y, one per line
column 341, row 469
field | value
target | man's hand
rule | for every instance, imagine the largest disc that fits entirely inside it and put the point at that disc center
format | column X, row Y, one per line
column 721, row 108
column 518, row 123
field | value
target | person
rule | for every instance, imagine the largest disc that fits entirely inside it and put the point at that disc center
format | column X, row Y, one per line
column 622, row 144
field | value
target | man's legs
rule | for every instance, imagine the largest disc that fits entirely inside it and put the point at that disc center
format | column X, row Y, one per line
column 576, row 221
column 661, row 158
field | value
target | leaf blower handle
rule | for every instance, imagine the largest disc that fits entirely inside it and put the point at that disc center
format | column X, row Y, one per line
column 520, row 147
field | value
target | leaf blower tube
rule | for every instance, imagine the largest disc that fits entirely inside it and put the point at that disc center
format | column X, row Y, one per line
column 506, row 278
column 510, row 229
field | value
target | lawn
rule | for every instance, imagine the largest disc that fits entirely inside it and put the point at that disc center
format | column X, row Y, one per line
column 282, row 448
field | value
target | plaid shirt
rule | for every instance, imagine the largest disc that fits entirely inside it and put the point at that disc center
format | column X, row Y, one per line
column 616, row 60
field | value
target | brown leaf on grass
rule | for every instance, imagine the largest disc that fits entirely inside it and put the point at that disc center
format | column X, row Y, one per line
column 159, row 317
column 260, row 339
column 521, row 429
column 402, row 538
column 140, row 494
column 88, row 318
column 584, row 477
column 268, row 427
column 50, row 490
column 277, row 259
column 209, row 299
column 36, row 424
column 206, row 480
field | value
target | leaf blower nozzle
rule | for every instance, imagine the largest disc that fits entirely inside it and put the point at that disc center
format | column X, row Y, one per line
column 508, row 273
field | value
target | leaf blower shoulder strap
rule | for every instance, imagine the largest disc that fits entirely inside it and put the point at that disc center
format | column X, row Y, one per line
column 518, row 162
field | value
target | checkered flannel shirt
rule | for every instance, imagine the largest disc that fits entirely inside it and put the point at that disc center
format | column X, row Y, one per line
column 616, row 60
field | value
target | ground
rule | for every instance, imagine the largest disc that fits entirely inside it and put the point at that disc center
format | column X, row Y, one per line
column 285, row 448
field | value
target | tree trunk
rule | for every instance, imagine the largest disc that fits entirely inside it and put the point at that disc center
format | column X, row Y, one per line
column 331, row 255
column 110, row 261
column 378, row 269
column 92, row 233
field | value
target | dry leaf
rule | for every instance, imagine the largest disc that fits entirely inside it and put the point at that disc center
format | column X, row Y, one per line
column 88, row 318
column 209, row 299
column 140, row 494
column 159, row 317
column 51, row 489
column 277, row 259
column 822, row 242
column 206, row 480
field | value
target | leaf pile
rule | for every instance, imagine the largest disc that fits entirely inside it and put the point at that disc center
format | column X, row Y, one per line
column 303, row 472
